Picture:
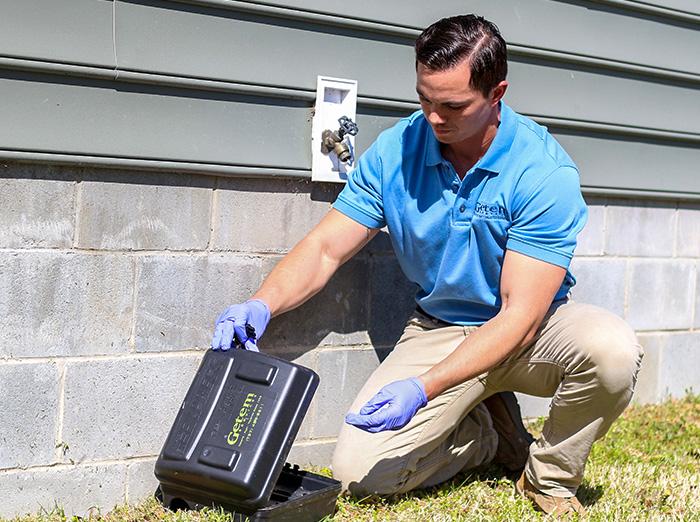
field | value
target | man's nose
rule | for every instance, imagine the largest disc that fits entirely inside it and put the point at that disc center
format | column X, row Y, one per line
column 434, row 117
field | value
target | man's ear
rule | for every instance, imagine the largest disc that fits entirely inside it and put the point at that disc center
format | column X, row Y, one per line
column 498, row 92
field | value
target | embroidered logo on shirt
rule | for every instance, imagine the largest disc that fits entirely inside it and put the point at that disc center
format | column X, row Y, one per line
column 490, row 210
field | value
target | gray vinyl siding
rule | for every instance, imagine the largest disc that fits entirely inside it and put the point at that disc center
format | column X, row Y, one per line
column 226, row 87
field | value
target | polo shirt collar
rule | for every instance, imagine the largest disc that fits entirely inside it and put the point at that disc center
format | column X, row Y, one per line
column 495, row 157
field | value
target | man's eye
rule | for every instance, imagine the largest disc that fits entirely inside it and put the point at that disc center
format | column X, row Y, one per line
column 455, row 107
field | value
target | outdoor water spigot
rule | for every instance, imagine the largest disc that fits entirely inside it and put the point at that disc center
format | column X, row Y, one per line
column 335, row 140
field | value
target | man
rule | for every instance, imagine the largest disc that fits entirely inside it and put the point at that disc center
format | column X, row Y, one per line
column 483, row 207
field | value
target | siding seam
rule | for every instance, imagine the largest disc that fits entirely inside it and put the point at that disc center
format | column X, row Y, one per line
column 136, row 75
column 653, row 9
column 213, row 85
column 214, row 169
column 398, row 29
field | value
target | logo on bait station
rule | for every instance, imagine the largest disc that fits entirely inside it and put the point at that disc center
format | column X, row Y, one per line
column 246, row 420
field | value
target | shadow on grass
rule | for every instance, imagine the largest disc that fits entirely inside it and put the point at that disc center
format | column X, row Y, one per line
column 491, row 475
column 589, row 495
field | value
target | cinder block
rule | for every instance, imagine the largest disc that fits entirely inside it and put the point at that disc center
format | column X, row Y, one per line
column 343, row 373
column 335, row 316
column 316, row 454
column 180, row 297
column 644, row 229
column 77, row 489
column 141, row 480
column 270, row 215
column 309, row 360
column 670, row 366
column 532, row 407
column 660, row 294
column 28, row 414
column 137, row 211
column 646, row 390
column 696, row 322
column 591, row 240
column 679, row 364
column 64, row 303
column 37, row 206
column 392, row 300
column 123, row 408
column 601, row 282
column 688, row 241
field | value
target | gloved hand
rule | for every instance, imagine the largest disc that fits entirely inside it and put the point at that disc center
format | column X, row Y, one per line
column 233, row 320
column 391, row 408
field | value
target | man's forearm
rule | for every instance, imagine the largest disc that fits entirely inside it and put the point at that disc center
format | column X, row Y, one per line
column 483, row 349
column 298, row 277
column 311, row 263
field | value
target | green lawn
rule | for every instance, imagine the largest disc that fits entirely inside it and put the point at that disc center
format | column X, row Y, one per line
column 646, row 468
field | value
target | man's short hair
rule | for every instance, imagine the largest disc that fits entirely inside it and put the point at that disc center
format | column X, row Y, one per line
column 451, row 40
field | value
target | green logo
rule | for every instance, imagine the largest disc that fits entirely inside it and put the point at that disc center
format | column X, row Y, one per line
column 241, row 420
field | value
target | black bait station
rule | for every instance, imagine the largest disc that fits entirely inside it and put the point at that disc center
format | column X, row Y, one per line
column 231, row 437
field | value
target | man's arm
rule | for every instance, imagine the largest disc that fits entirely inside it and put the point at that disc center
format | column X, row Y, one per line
column 306, row 269
column 528, row 287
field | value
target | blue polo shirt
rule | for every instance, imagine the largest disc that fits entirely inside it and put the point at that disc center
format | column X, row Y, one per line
column 450, row 235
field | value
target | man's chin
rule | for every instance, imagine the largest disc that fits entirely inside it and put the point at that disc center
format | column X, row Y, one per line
column 444, row 137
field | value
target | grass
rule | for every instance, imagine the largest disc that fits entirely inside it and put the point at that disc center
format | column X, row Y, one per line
column 646, row 468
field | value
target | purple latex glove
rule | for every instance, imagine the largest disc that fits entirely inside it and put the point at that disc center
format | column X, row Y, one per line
column 233, row 320
column 391, row 408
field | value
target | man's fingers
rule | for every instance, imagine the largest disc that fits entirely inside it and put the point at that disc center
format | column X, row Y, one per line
column 355, row 419
column 226, row 335
column 376, row 402
column 240, row 333
column 377, row 421
column 372, row 423
column 222, row 316
column 250, row 345
column 216, row 340
column 360, row 421
column 370, row 407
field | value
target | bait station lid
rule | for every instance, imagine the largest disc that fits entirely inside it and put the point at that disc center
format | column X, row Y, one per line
column 235, row 428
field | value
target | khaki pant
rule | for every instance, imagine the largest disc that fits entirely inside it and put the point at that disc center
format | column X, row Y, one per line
column 584, row 357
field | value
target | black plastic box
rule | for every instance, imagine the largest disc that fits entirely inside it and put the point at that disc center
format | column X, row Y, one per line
column 231, row 438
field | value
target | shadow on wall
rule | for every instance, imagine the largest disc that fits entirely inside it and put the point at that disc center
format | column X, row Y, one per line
column 368, row 300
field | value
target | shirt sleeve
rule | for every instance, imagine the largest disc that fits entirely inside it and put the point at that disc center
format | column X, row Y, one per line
column 361, row 199
column 546, row 221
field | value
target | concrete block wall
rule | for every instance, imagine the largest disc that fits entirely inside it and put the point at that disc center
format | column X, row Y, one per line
column 640, row 259
column 110, row 282
column 109, row 285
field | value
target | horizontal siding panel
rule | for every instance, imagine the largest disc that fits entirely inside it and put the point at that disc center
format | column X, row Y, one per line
column 613, row 163
column 585, row 94
column 589, row 28
column 254, row 49
column 257, row 49
column 111, row 119
column 685, row 6
column 74, row 31
column 100, row 118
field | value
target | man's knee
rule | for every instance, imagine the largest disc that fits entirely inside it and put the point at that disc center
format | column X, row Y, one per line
column 367, row 467
column 361, row 473
column 610, row 350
